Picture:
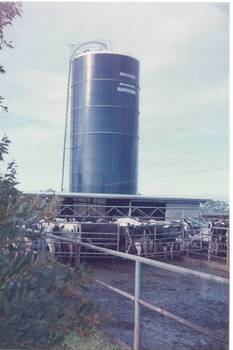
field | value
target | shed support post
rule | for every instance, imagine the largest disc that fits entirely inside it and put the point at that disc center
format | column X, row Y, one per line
column 130, row 209
column 137, row 306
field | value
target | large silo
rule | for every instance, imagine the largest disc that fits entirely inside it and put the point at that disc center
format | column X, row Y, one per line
column 104, row 123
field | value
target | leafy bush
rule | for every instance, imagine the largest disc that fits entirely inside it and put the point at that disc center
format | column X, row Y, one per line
column 95, row 341
column 40, row 300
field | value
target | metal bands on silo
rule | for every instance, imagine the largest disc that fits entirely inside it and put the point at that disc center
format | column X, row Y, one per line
column 104, row 123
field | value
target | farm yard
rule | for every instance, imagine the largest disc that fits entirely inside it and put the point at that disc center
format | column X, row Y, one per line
column 199, row 306
column 114, row 205
column 49, row 248
column 201, row 302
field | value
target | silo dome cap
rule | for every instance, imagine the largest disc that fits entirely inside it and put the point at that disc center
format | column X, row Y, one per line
column 93, row 52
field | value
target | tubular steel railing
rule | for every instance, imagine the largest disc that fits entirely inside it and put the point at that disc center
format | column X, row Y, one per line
column 212, row 247
column 97, row 211
column 136, row 297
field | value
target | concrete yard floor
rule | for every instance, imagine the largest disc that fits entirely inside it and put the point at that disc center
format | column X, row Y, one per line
column 202, row 302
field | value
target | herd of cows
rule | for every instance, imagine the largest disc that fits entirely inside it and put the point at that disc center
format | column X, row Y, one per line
column 131, row 235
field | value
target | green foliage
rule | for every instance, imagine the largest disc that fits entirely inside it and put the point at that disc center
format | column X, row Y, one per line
column 96, row 341
column 8, row 180
column 8, row 12
column 212, row 207
column 40, row 300
column 4, row 144
column 17, row 209
column 41, row 303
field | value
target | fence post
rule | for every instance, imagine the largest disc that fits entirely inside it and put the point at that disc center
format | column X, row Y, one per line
column 155, row 240
column 43, row 246
column 182, row 235
column 228, row 247
column 137, row 306
column 209, row 250
column 201, row 240
column 77, row 250
column 118, row 237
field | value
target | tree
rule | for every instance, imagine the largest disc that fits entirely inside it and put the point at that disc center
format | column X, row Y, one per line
column 8, row 12
column 7, row 179
column 41, row 300
column 212, row 207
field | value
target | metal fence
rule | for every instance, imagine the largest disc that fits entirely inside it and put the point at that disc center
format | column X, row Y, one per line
column 149, row 241
column 136, row 297
column 213, row 246
column 101, row 211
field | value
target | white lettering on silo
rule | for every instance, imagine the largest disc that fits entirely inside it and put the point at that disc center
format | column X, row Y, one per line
column 128, row 75
column 129, row 91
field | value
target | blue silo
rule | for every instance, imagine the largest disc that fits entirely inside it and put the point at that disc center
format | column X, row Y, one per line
column 104, row 123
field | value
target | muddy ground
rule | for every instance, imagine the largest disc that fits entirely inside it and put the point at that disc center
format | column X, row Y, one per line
column 203, row 303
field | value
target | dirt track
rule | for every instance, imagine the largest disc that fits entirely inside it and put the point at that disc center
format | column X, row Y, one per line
column 203, row 303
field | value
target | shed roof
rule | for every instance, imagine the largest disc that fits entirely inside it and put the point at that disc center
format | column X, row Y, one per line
column 121, row 196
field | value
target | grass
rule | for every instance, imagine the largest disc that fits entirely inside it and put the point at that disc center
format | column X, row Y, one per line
column 94, row 342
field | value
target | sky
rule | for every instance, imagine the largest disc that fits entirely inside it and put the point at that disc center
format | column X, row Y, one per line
column 183, row 50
